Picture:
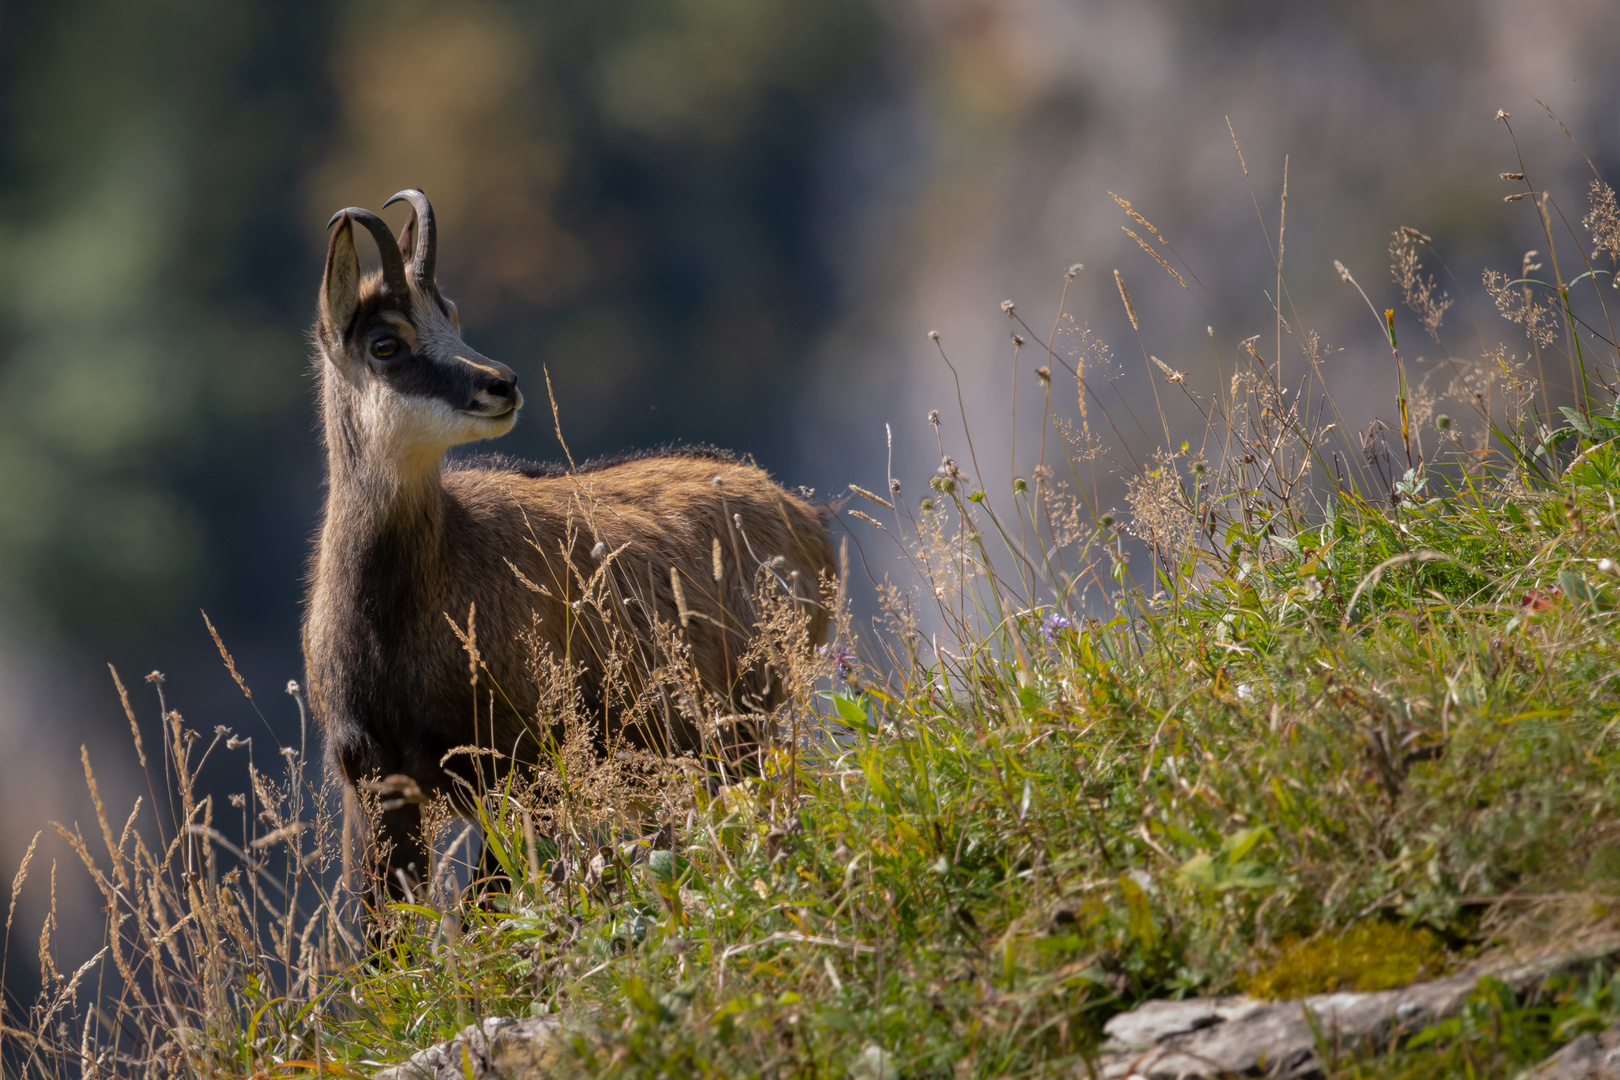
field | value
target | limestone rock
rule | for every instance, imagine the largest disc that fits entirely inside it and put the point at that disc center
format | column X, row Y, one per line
column 1590, row 1057
column 501, row 1048
column 1239, row 1036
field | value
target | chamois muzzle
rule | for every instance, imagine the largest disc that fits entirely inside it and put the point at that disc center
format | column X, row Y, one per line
column 494, row 388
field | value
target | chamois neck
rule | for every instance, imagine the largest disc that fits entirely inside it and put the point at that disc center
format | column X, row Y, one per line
column 374, row 486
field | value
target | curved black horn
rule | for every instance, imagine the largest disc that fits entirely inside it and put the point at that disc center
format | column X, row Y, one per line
column 426, row 249
column 393, row 266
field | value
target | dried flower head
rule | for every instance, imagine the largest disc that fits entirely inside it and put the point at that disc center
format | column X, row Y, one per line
column 1044, row 374
column 1420, row 292
column 1604, row 221
column 1159, row 510
column 1170, row 373
column 1073, row 271
column 1513, row 176
column 1008, row 307
column 933, row 335
column 1018, row 340
column 1502, row 114
column 1515, row 197
column 933, row 417
column 1540, row 321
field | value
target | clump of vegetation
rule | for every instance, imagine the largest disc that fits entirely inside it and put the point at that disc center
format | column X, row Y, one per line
column 1368, row 956
column 1314, row 685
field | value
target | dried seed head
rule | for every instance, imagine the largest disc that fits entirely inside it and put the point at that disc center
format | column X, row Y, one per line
column 1344, row 276
column 1503, row 114
column 1008, row 307
column 894, row 487
column 719, row 560
column 933, row 417
column 1073, row 271
column 1412, row 234
column 1044, row 374
column 1515, row 197
column 1513, row 176
column 863, row 493
column 1130, row 309
column 680, row 596
column 599, row 552
column 1018, row 339
column 933, row 335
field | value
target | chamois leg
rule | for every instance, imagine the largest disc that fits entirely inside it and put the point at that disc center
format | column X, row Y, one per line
column 403, row 867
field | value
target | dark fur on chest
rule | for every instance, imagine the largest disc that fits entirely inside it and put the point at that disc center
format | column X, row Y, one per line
column 397, row 693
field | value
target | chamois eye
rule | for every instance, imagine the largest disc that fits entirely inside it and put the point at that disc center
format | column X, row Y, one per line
column 384, row 347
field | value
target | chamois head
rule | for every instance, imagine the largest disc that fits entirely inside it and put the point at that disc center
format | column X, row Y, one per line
column 405, row 383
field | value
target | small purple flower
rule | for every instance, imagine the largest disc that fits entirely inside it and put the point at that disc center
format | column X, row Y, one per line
column 1054, row 625
column 843, row 660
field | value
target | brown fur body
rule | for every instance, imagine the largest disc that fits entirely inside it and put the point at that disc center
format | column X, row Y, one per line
column 410, row 543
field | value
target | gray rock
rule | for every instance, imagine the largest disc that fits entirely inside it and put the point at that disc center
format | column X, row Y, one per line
column 1590, row 1057
column 1212, row 1037
column 501, row 1048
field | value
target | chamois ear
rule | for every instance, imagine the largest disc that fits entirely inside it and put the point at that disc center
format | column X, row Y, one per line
column 407, row 238
column 340, row 287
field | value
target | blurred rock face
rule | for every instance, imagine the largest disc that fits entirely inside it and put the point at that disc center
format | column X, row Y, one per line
column 1017, row 120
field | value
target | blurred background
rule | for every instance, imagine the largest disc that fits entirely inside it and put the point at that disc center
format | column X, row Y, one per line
column 726, row 221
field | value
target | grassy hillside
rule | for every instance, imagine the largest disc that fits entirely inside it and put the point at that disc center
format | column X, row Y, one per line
column 1321, row 710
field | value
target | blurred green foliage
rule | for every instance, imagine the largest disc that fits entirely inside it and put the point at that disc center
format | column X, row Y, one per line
column 625, row 193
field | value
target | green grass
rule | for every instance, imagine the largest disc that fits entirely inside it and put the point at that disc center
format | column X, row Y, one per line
column 1364, row 701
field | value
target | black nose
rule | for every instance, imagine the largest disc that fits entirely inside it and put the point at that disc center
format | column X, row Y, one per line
column 503, row 388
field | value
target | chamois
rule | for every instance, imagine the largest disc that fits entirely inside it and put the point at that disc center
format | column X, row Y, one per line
column 410, row 542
